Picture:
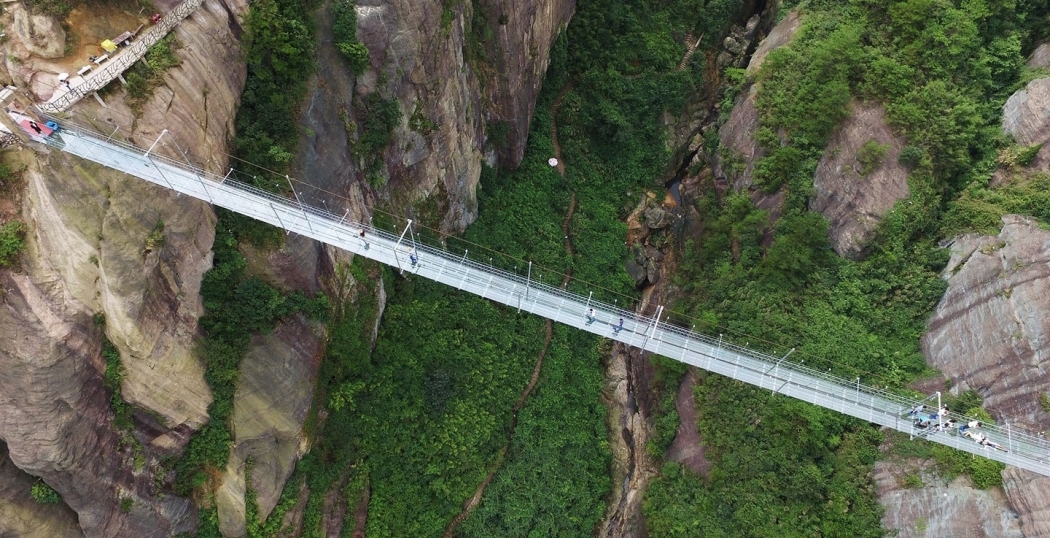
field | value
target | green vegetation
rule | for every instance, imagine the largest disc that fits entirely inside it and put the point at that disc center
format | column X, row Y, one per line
column 145, row 76
column 156, row 238
column 344, row 35
column 943, row 72
column 43, row 493
column 280, row 56
column 12, row 240
column 870, row 156
column 979, row 208
column 113, row 379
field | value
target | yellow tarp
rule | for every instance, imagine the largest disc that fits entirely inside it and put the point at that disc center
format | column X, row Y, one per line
column 109, row 46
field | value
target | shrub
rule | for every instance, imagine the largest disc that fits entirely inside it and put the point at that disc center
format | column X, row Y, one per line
column 870, row 156
column 43, row 493
column 1027, row 155
column 145, row 76
column 12, row 240
column 911, row 156
column 344, row 35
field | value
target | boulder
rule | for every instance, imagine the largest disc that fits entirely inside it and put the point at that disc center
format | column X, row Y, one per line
column 657, row 217
column 855, row 195
column 636, row 271
column 1040, row 57
column 1026, row 117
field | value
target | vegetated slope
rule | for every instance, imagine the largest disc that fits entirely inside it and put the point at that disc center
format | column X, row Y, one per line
column 943, row 71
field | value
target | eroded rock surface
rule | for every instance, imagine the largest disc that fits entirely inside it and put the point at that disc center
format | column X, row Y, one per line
column 273, row 397
column 22, row 516
column 57, row 423
column 941, row 508
column 1026, row 117
column 859, row 178
column 1029, row 496
column 990, row 331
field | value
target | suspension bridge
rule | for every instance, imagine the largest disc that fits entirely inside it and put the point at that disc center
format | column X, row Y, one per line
column 777, row 374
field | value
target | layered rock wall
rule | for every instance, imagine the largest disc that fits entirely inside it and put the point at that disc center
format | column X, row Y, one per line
column 101, row 243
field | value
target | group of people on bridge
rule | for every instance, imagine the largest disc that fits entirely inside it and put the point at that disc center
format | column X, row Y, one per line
column 933, row 423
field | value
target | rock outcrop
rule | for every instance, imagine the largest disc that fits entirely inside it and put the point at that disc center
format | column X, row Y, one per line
column 1026, row 117
column 779, row 36
column 941, row 508
column 273, row 397
column 426, row 57
column 990, row 331
column 1040, row 57
column 739, row 149
column 859, row 178
column 515, row 62
column 1029, row 496
column 57, row 422
column 40, row 34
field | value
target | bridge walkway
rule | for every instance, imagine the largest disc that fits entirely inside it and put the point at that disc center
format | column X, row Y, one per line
column 776, row 374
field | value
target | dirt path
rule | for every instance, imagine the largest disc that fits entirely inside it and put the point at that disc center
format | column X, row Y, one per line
column 548, row 333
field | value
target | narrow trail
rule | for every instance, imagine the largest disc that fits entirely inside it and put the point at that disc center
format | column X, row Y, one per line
column 548, row 333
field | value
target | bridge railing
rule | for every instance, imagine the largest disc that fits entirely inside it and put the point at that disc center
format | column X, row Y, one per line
column 826, row 388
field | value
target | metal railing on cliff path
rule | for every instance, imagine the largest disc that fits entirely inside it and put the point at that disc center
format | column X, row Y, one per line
column 97, row 79
column 777, row 374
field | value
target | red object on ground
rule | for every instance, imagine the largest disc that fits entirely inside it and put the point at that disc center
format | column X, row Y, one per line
column 45, row 131
column 155, row 18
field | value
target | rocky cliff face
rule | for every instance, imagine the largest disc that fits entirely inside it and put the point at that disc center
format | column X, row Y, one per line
column 22, row 516
column 90, row 252
column 990, row 333
column 859, row 178
column 457, row 71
